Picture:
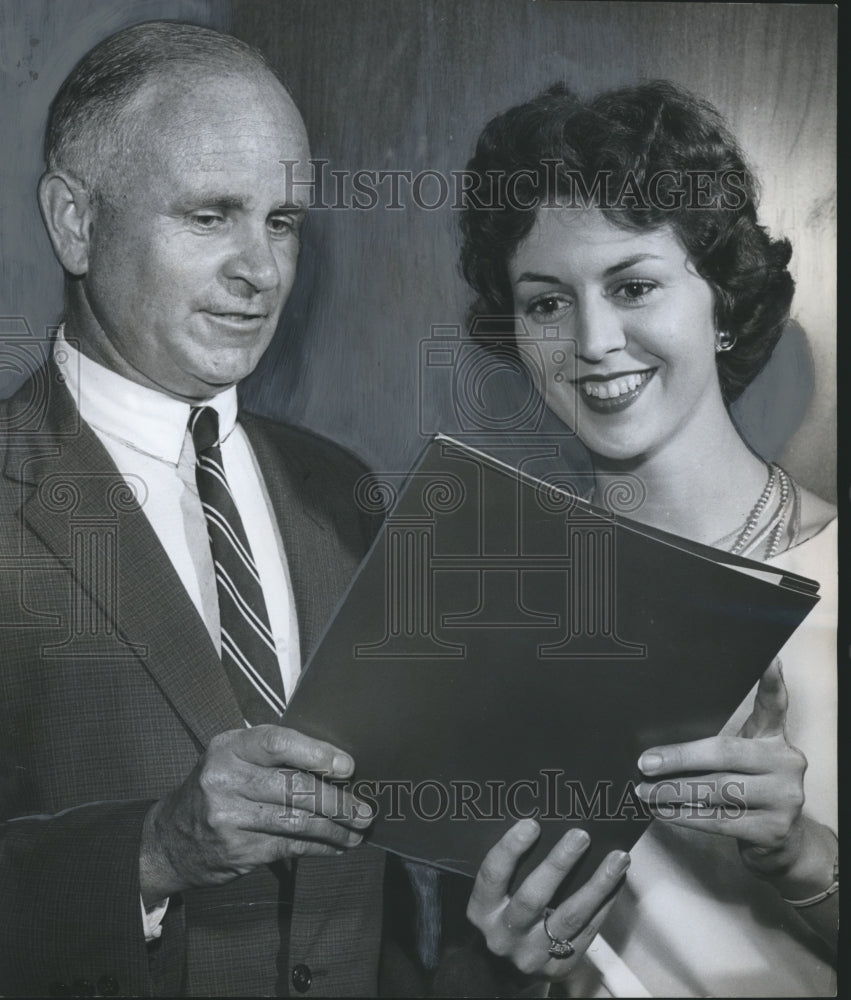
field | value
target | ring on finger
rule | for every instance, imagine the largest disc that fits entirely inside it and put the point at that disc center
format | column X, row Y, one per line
column 559, row 947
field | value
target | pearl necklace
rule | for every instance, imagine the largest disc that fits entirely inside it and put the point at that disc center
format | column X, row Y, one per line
column 788, row 505
column 759, row 527
column 752, row 519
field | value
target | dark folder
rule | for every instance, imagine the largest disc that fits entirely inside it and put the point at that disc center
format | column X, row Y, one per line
column 506, row 650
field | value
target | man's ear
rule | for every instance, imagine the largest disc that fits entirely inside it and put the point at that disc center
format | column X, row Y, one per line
column 67, row 210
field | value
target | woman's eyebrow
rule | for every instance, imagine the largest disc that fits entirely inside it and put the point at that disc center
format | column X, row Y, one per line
column 546, row 279
column 623, row 265
column 628, row 262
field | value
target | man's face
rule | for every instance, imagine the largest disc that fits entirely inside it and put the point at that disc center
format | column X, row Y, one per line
column 193, row 250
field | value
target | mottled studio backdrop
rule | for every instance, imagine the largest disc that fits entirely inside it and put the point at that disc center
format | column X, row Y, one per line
column 406, row 85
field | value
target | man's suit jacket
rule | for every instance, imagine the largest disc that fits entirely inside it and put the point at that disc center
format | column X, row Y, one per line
column 110, row 688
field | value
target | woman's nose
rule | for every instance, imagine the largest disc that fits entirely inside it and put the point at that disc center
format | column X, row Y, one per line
column 599, row 330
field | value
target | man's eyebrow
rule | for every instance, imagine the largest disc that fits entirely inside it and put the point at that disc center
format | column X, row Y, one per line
column 217, row 199
column 200, row 199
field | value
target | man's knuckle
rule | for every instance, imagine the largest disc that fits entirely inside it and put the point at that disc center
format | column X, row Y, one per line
column 304, row 784
column 296, row 822
column 217, row 741
column 219, row 744
column 218, row 818
column 212, row 780
column 298, row 848
column 282, row 849
column 274, row 741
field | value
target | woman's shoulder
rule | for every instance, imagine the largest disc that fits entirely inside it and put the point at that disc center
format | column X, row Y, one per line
column 816, row 515
column 812, row 550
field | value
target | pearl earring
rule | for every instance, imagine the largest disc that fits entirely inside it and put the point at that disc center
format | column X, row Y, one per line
column 724, row 341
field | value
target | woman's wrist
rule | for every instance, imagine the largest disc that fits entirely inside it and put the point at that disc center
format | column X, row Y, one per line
column 819, row 897
column 804, row 869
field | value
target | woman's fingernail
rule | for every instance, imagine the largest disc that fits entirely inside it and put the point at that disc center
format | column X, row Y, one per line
column 579, row 837
column 527, row 829
column 617, row 864
column 649, row 762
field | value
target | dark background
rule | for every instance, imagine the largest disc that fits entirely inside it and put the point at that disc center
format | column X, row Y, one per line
column 407, row 84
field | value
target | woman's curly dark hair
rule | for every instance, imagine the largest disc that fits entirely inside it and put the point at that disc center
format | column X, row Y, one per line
column 671, row 160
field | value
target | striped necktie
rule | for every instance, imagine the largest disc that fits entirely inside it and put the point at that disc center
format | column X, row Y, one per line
column 248, row 648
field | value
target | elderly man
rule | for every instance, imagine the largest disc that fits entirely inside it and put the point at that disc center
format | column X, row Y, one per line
column 165, row 568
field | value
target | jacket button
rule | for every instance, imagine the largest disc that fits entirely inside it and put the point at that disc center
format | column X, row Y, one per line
column 302, row 978
column 82, row 988
column 108, row 986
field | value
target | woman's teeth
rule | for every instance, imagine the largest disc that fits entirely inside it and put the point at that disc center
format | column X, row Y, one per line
column 617, row 386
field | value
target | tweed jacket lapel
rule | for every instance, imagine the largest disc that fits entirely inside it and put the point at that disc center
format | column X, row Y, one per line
column 72, row 491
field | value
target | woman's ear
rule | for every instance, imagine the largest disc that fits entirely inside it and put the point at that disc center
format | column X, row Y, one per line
column 66, row 207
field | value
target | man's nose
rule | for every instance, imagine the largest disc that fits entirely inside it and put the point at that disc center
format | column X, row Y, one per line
column 253, row 260
column 599, row 329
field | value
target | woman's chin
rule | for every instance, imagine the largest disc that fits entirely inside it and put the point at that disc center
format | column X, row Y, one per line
column 614, row 435
column 616, row 451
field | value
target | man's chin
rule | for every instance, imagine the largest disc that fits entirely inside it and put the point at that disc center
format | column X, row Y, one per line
column 211, row 379
column 200, row 374
column 197, row 388
column 214, row 385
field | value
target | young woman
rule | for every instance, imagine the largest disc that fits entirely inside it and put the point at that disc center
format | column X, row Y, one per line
column 629, row 223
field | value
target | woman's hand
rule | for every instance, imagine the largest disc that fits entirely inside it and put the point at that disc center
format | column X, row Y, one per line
column 749, row 786
column 513, row 925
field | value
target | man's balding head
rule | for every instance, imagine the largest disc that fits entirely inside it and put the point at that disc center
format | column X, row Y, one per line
column 167, row 205
column 94, row 130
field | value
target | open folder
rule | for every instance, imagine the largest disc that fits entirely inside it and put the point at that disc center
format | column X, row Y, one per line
column 507, row 649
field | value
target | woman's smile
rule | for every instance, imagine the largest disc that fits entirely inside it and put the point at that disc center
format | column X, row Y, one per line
column 637, row 323
column 612, row 393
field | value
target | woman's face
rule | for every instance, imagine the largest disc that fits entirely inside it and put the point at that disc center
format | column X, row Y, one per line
column 621, row 331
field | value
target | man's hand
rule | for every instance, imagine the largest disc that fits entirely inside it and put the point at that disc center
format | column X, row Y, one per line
column 256, row 796
column 513, row 926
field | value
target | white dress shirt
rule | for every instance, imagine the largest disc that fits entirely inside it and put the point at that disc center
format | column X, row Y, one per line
column 146, row 434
